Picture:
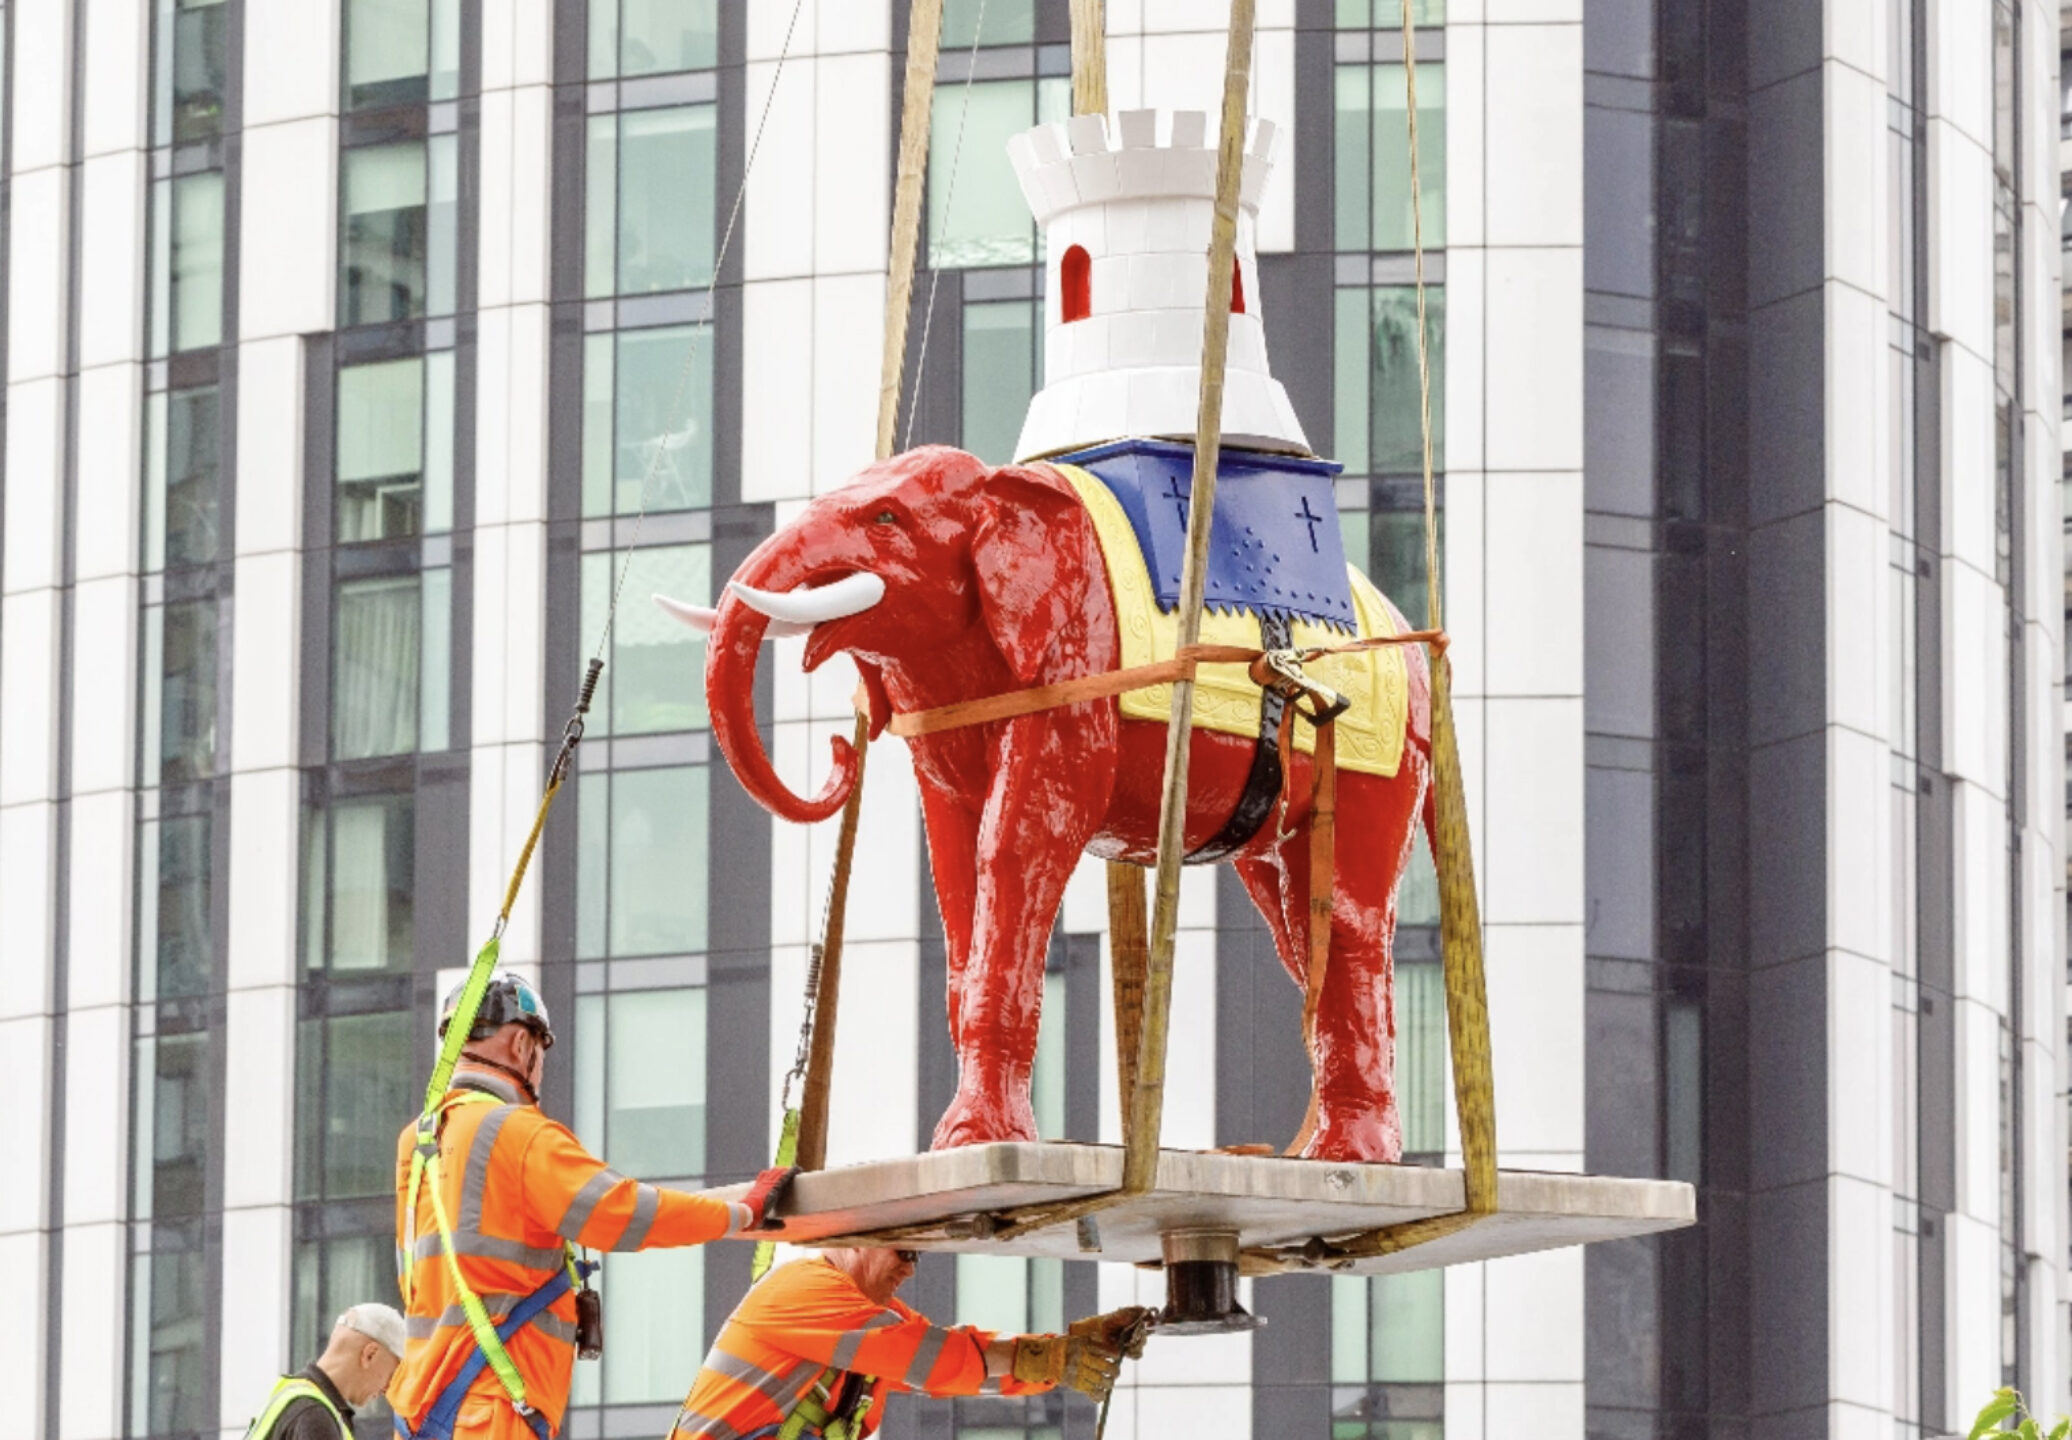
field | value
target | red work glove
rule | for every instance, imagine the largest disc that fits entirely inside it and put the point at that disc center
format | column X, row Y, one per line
column 763, row 1195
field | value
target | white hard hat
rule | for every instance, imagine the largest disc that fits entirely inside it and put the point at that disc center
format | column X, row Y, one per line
column 378, row 1323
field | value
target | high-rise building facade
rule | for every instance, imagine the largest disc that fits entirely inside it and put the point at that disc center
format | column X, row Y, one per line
column 357, row 352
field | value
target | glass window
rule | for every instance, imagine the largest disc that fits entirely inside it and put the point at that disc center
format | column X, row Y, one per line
column 172, row 1351
column 180, row 459
column 1007, row 22
column 186, row 691
column 174, row 942
column 649, row 220
column 640, row 1103
column 976, row 213
column 1372, row 170
column 640, row 1082
column 1421, row 1092
column 435, row 660
column 187, row 307
column 654, row 678
column 174, row 1090
column 1376, row 378
column 358, row 910
column 401, row 52
column 647, row 406
column 398, row 251
column 341, row 1271
column 381, row 448
column 378, row 677
column 1003, row 344
column 1387, row 1356
column 652, row 37
column 641, row 881
column 1388, row 14
column 354, row 1075
column 193, row 45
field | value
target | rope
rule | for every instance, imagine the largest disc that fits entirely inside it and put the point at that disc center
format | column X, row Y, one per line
column 949, row 198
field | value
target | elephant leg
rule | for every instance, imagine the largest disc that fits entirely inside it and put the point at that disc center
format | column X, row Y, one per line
column 1050, row 790
column 1352, row 1052
column 953, row 863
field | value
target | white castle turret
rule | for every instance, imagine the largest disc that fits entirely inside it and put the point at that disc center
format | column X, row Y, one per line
column 1126, row 221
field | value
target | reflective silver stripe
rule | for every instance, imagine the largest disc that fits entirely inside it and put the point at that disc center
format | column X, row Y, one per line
column 845, row 1348
column 646, row 1201
column 704, row 1427
column 421, row 1327
column 493, row 1247
column 738, row 1217
column 580, row 1208
column 477, row 1182
column 783, row 1391
column 924, row 1357
column 990, row 1385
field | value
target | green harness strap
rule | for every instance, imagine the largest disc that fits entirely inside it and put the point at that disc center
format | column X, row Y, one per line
column 425, row 1160
column 812, row 1409
column 290, row 1389
column 787, row 1155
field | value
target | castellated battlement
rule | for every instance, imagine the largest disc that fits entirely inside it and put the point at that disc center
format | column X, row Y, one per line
column 1153, row 155
column 1126, row 215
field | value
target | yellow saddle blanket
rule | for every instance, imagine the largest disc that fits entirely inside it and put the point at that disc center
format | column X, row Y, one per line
column 1370, row 734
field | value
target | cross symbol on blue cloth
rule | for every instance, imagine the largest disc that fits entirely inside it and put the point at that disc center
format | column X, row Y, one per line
column 1178, row 496
column 1305, row 515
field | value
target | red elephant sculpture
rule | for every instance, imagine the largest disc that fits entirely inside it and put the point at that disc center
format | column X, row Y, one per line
column 948, row 580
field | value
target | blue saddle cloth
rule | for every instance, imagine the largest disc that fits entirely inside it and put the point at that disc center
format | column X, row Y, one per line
column 1274, row 544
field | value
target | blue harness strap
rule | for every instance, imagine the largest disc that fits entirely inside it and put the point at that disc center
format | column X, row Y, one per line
column 438, row 1421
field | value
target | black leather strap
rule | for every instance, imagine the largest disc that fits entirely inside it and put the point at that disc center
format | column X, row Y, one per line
column 1263, row 784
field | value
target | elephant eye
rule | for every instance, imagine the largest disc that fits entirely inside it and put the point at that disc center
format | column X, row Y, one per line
column 886, row 517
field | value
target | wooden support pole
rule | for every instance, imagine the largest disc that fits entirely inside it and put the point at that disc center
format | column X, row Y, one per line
column 924, row 42
column 1128, row 940
column 917, row 109
column 1147, row 1096
column 1128, row 945
column 820, row 1061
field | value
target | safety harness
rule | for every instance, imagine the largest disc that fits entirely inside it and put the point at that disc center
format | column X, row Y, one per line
column 290, row 1389
column 816, row 1409
column 489, row 1337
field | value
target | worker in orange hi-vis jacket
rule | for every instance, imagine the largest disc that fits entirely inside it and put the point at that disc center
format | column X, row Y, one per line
column 516, row 1195
column 813, row 1350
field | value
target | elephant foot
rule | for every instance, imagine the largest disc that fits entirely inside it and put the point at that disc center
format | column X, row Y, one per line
column 1369, row 1135
column 984, row 1113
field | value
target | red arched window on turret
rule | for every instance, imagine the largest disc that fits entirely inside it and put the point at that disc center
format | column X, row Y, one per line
column 1076, row 284
column 1237, row 286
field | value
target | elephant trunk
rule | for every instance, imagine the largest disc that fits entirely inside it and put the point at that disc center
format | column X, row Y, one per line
column 730, row 661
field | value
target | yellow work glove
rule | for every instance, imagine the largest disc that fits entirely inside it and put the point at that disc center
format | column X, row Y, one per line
column 1080, row 1362
column 1123, row 1330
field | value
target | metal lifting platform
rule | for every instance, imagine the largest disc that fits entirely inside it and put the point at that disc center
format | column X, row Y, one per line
column 1283, row 1214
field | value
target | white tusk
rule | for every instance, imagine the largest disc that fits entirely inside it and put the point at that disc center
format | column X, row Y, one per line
column 700, row 618
column 850, row 595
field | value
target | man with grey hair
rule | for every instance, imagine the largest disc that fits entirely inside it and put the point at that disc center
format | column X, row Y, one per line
column 317, row 1404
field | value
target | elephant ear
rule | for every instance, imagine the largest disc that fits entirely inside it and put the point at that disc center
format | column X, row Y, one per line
column 1030, row 576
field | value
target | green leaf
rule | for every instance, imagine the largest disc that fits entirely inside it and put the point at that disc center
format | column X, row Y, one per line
column 1998, row 1408
column 2061, row 1429
column 2029, row 1429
